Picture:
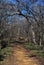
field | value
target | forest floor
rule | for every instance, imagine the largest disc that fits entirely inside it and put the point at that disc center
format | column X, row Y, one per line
column 20, row 56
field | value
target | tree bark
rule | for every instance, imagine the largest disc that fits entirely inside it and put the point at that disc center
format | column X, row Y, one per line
column 33, row 35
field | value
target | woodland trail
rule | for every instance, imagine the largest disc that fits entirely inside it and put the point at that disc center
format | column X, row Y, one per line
column 20, row 57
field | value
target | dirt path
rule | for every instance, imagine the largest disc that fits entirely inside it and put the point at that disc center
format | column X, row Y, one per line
column 20, row 57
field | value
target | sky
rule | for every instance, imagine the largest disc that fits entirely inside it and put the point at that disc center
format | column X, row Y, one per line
column 14, row 1
column 23, row 11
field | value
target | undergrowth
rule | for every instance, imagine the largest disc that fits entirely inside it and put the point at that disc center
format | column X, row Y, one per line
column 36, row 49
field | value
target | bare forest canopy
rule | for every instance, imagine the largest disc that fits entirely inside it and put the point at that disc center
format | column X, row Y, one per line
column 22, row 20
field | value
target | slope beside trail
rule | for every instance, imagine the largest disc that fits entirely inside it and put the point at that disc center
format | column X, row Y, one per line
column 20, row 57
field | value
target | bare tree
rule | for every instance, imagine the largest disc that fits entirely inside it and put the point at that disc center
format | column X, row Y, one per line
column 34, row 18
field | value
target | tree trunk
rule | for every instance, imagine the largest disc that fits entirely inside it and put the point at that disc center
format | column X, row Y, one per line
column 40, row 42
column 18, row 33
column 33, row 35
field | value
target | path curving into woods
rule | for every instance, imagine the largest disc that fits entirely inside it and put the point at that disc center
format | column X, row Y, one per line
column 20, row 57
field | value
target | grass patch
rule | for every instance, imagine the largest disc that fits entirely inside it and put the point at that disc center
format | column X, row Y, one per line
column 5, row 52
column 36, row 50
column 32, row 46
column 38, row 53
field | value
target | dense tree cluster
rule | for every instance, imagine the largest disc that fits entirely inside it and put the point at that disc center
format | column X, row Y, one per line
column 22, row 20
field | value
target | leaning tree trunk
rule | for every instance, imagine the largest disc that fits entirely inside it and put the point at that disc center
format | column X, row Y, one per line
column 33, row 35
